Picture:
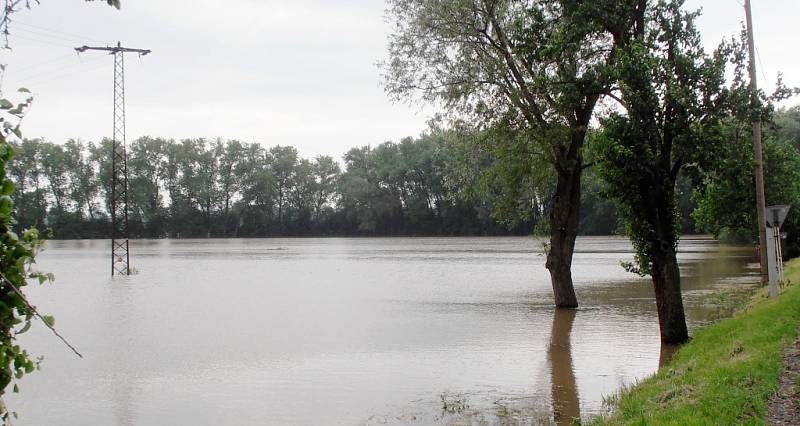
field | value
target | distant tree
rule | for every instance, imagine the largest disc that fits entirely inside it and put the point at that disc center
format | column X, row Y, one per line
column 727, row 194
column 229, row 156
column 83, row 184
column 146, row 158
column 29, row 197
column 199, row 171
column 326, row 173
column 55, row 171
column 100, row 155
column 785, row 126
column 171, row 177
column 257, row 198
column 301, row 195
column 282, row 161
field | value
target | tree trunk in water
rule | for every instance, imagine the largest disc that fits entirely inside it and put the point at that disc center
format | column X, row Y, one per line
column 564, row 221
column 667, row 284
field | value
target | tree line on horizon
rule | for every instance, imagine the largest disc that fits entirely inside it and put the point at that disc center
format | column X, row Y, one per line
column 215, row 188
column 432, row 185
column 199, row 188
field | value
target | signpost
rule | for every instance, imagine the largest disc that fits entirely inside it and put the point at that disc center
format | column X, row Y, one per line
column 775, row 215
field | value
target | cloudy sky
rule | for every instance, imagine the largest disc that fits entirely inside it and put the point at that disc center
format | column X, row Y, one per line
column 289, row 72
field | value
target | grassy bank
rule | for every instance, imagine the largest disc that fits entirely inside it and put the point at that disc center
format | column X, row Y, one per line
column 726, row 374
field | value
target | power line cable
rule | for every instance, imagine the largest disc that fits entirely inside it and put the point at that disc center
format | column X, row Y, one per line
column 761, row 65
column 50, row 42
column 56, row 70
column 58, row 32
column 41, row 63
column 758, row 55
column 45, row 35
column 48, row 78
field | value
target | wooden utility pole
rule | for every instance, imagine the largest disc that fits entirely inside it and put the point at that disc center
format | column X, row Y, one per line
column 120, row 247
column 757, row 150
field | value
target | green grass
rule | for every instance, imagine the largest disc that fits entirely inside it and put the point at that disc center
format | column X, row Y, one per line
column 725, row 375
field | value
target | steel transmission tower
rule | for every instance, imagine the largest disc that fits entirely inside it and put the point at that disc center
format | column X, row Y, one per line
column 120, row 247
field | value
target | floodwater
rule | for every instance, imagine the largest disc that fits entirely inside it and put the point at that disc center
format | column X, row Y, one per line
column 350, row 331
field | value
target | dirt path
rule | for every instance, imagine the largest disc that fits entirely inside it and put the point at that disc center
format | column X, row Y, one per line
column 784, row 407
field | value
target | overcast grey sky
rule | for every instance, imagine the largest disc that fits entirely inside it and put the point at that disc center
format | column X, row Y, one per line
column 289, row 72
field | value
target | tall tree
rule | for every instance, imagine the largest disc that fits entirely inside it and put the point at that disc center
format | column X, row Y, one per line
column 199, row 176
column 229, row 157
column 55, row 171
column 145, row 163
column 29, row 196
column 536, row 67
column 100, row 154
column 326, row 173
column 301, row 195
column 672, row 96
column 282, row 161
column 258, row 186
column 785, row 126
column 83, row 184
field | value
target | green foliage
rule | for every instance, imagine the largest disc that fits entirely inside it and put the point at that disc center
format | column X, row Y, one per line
column 726, row 198
column 526, row 77
column 498, row 168
column 524, row 65
column 725, row 375
column 17, row 254
column 199, row 187
column 785, row 126
column 672, row 96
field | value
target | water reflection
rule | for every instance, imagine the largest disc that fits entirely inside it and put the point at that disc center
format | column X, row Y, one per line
column 566, row 405
column 121, row 312
column 351, row 331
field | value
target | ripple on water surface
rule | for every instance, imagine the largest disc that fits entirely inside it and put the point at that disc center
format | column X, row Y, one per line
column 350, row 331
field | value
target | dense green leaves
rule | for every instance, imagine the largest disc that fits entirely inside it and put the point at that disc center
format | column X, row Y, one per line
column 536, row 71
column 200, row 188
column 726, row 197
column 672, row 98
column 17, row 254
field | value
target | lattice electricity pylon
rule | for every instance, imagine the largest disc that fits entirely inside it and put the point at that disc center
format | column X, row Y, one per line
column 120, row 246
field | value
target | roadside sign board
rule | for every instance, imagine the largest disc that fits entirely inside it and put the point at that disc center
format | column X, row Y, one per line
column 775, row 215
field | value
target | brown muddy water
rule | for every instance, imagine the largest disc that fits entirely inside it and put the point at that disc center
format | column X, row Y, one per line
column 351, row 331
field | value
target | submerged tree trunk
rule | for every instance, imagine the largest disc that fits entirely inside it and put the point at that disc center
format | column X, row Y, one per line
column 667, row 284
column 564, row 221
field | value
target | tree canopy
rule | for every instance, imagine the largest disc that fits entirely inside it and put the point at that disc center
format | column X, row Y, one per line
column 673, row 97
column 535, row 70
